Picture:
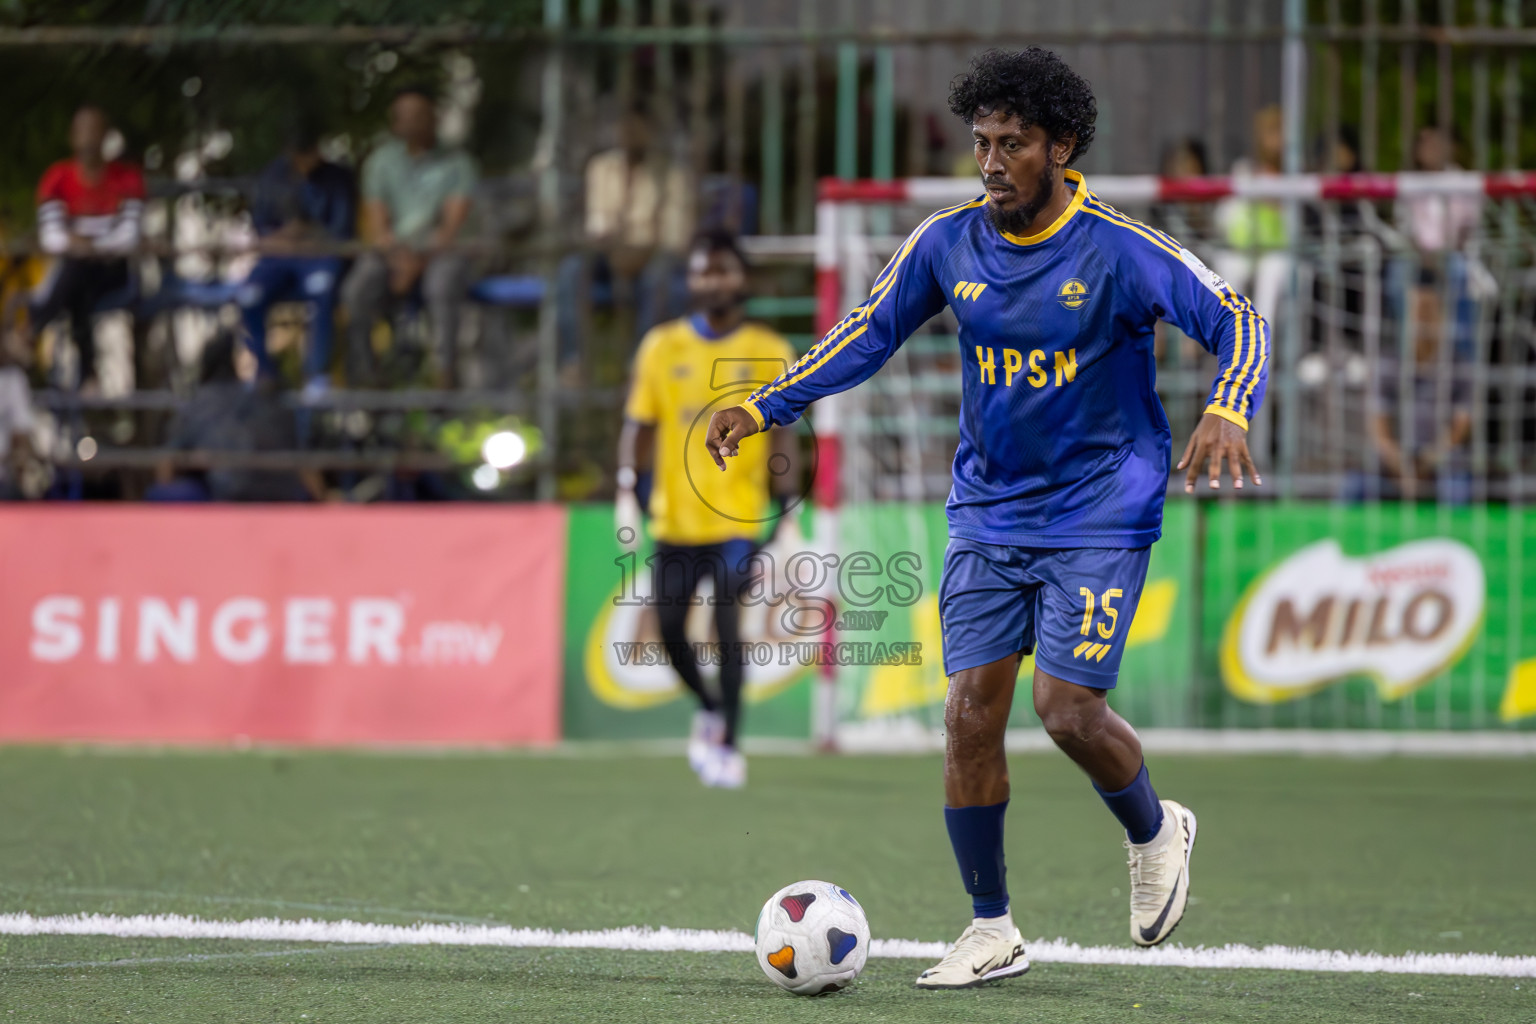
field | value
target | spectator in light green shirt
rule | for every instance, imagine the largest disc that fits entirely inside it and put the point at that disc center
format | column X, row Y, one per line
column 1255, row 259
column 416, row 200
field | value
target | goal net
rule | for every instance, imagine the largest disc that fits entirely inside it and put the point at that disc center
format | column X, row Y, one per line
column 1343, row 267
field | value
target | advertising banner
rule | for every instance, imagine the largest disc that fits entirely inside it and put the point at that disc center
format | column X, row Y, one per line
column 1328, row 615
column 618, row 682
column 290, row 625
column 893, row 600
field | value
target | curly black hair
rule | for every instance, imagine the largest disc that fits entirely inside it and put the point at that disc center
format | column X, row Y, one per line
column 1033, row 83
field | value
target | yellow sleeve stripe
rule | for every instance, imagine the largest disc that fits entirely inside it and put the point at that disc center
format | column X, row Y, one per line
column 884, row 278
column 752, row 410
column 1238, row 304
column 1250, row 351
column 1245, row 309
column 1224, row 382
column 1240, row 308
column 1228, row 414
column 1234, row 402
column 1253, row 359
column 1104, row 207
column 847, row 322
column 882, row 285
column 813, row 367
column 1147, row 234
column 1262, row 328
column 795, row 374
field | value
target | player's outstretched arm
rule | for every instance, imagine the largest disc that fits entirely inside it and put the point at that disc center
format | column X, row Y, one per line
column 726, row 429
column 1180, row 289
column 1217, row 440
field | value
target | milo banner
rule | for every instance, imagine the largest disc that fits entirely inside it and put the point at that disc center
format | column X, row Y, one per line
column 618, row 682
column 1254, row 614
column 1369, row 616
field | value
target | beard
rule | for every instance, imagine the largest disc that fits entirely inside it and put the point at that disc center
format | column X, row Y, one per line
column 719, row 304
column 1017, row 221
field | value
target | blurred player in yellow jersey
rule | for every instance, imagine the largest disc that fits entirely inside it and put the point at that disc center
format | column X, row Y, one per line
column 706, row 524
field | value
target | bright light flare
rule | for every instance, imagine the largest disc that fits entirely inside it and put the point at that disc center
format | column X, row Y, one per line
column 486, row 477
column 503, row 449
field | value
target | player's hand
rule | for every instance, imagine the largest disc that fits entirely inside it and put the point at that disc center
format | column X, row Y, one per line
column 726, row 429
column 1214, row 441
column 626, row 519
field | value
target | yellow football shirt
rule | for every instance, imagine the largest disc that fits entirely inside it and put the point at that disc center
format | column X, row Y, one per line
column 681, row 378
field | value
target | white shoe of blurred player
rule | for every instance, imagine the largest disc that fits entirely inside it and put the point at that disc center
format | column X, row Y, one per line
column 1160, row 876
column 725, row 769
column 705, row 735
column 990, row 948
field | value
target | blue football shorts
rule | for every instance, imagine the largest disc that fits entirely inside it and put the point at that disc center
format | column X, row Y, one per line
column 1072, row 607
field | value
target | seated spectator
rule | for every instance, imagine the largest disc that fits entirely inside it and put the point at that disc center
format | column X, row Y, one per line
column 88, row 212
column 1441, row 229
column 639, row 220
column 1184, row 159
column 1341, row 154
column 1338, row 293
column 301, row 201
column 16, row 422
column 1255, row 259
column 416, row 200
column 1421, row 419
column 1438, row 223
column 227, row 414
column 1190, row 222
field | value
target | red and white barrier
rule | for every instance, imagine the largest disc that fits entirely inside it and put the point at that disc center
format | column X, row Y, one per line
column 1150, row 188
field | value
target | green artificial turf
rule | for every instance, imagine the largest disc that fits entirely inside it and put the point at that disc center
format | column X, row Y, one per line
column 1384, row 855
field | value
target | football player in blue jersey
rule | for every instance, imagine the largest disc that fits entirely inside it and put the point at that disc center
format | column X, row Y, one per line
column 1060, row 473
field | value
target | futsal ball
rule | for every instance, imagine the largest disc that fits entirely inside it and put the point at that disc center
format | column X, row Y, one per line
column 812, row 938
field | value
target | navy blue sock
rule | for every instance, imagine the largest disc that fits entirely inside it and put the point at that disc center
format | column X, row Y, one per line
column 1137, row 807
column 976, row 833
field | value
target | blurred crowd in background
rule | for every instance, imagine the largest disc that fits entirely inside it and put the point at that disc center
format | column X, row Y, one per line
column 154, row 306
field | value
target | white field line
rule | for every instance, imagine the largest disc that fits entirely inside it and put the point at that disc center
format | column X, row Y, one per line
column 260, row 901
column 909, row 736
column 199, row 958
column 668, row 940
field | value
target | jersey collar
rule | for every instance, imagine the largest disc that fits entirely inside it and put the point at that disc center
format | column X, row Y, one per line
column 1078, row 196
column 700, row 324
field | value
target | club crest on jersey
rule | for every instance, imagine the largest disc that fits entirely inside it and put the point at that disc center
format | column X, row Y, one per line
column 1072, row 294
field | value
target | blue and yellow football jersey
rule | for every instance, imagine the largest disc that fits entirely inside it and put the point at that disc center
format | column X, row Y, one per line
column 1063, row 441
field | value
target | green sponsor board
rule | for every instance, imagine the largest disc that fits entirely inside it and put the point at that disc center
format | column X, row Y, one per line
column 1310, row 615
column 1397, row 616
column 617, row 686
column 890, row 597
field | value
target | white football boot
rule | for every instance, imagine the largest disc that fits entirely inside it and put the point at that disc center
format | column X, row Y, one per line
column 705, row 735
column 990, row 948
column 725, row 768
column 1160, row 876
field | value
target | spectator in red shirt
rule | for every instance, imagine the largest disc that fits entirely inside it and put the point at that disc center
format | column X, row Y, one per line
column 88, row 211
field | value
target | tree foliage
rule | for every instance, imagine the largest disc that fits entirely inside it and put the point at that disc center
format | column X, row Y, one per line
column 166, row 98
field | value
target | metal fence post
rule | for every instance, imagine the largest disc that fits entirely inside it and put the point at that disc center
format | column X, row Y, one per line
column 1293, row 93
column 553, row 110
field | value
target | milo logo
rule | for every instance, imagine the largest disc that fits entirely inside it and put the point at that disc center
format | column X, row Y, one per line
column 1400, row 617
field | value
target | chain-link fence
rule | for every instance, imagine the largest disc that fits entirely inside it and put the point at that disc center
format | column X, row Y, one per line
column 742, row 109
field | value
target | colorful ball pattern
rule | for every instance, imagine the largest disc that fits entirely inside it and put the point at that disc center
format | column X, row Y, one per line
column 812, row 938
